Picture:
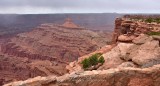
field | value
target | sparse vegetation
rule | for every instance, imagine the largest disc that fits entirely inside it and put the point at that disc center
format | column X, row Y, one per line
column 93, row 60
column 150, row 20
column 147, row 20
column 154, row 33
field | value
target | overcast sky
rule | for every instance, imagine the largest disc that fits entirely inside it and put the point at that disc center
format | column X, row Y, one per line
column 79, row 6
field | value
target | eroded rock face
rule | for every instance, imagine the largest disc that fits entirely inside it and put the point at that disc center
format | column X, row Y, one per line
column 141, row 39
column 148, row 52
column 113, row 57
column 144, row 53
column 125, row 38
column 131, row 27
column 48, row 49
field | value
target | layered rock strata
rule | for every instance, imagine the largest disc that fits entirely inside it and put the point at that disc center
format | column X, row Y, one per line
column 51, row 42
column 46, row 50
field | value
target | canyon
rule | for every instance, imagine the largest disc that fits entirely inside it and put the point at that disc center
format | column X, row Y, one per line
column 47, row 49
column 48, row 41
column 133, row 59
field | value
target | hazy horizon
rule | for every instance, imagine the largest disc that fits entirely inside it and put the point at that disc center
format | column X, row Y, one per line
column 73, row 13
column 78, row 6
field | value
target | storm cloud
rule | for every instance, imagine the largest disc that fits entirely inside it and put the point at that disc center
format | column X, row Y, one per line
column 79, row 6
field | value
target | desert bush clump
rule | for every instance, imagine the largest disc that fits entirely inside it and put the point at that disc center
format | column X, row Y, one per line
column 93, row 60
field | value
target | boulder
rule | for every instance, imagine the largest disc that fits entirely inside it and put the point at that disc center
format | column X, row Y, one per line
column 130, row 50
column 125, row 38
column 112, row 58
column 149, row 51
column 141, row 39
column 124, row 47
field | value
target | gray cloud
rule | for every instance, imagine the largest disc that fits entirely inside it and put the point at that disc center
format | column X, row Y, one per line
column 79, row 6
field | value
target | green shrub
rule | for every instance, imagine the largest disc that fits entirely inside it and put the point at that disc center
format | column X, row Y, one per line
column 93, row 60
column 154, row 33
column 101, row 60
column 86, row 63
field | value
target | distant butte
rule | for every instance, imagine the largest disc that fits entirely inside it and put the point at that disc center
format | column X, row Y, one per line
column 70, row 24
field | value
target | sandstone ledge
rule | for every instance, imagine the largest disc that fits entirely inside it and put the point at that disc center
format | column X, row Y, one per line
column 112, row 77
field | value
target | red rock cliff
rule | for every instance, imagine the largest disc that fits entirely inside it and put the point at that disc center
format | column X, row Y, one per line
column 131, row 27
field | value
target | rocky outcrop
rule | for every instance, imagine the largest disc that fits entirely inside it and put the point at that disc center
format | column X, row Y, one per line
column 134, row 50
column 113, row 57
column 125, row 38
column 76, row 65
column 127, row 28
column 112, row 77
column 143, row 52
